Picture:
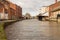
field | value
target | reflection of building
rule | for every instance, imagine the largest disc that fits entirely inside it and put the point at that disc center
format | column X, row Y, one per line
column 9, row 10
column 54, row 10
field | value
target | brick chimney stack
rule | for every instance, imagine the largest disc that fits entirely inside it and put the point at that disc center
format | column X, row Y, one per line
column 55, row 1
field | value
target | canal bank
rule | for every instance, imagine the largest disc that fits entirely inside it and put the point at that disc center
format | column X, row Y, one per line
column 3, row 25
column 2, row 32
column 33, row 29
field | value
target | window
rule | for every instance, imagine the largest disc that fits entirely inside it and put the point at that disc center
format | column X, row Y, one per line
column 6, row 11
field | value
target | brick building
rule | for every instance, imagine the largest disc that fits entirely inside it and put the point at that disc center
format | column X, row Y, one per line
column 19, row 13
column 9, row 10
column 54, row 10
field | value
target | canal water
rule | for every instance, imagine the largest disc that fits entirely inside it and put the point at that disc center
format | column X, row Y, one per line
column 33, row 30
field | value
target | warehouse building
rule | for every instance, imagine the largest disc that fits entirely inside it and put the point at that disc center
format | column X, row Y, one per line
column 54, row 10
column 8, row 10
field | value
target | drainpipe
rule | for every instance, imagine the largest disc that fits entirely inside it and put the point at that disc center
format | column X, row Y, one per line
column 3, row 13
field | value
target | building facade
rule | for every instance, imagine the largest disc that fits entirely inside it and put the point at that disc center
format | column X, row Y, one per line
column 44, row 11
column 54, row 10
column 27, row 16
column 9, row 10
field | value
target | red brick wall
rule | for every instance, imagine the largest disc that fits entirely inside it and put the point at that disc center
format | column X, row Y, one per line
column 13, row 6
column 1, row 7
column 13, row 10
column 19, row 11
column 53, row 6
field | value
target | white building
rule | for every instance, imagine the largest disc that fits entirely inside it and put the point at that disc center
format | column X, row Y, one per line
column 44, row 11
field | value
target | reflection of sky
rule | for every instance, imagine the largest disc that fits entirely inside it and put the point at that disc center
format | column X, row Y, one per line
column 32, row 6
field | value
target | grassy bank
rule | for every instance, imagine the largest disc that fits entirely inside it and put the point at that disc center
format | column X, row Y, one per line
column 2, row 32
column 3, row 24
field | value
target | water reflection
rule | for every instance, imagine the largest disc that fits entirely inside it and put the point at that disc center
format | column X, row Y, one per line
column 33, row 30
column 54, row 30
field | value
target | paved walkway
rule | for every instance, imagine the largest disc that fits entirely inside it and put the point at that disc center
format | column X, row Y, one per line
column 33, row 30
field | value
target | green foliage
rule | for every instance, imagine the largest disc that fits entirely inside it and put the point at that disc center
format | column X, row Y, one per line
column 2, row 33
column 2, row 25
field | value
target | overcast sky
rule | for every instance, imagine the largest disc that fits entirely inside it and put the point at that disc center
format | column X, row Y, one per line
column 32, row 6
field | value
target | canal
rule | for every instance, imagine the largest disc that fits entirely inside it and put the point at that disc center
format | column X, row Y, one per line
column 33, row 29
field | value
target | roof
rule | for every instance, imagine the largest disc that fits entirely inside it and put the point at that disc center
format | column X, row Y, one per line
column 54, row 3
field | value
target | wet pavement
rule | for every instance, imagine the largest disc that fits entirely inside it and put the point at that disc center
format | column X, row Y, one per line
column 33, row 30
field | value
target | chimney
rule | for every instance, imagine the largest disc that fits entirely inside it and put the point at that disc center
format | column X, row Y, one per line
column 55, row 1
